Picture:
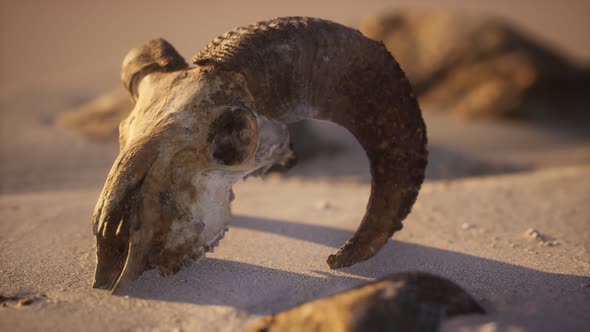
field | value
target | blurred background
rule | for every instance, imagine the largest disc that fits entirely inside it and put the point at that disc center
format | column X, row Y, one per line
column 503, row 85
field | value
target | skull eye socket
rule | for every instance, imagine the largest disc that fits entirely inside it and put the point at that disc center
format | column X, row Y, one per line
column 231, row 136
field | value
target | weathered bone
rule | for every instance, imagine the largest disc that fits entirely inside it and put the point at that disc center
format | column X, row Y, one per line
column 195, row 131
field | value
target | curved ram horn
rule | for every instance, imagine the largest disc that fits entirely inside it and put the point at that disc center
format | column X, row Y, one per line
column 298, row 68
column 155, row 55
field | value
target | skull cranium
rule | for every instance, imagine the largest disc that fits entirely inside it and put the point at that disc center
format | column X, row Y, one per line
column 194, row 131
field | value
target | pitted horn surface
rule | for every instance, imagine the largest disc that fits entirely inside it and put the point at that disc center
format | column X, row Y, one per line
column 194, row 131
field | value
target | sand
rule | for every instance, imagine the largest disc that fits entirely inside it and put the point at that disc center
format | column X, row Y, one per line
column 488, row 183
column 273, row 257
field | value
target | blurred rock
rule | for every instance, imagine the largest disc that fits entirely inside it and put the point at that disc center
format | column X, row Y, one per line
column 98, row 119
column 481, row 67
column 323, row 205
column 18, row 301
column 542, row 239
column 414, row 301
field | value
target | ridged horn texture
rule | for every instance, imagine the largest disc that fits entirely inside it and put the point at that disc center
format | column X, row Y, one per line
column 155, row 55
column 297, row 68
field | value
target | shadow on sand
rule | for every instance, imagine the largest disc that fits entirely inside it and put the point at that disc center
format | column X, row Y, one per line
column 262, row 290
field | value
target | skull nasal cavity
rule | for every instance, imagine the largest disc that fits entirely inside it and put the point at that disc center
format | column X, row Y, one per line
column 229, row 137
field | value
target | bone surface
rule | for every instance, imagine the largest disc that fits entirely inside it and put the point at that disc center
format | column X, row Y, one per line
column 194, row 131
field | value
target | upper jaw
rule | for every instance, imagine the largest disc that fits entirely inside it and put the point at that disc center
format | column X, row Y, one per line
column 177, row 205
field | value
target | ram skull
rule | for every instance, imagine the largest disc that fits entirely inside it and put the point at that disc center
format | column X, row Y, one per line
column 195, row 130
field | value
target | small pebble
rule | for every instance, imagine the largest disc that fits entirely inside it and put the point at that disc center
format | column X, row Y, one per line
column 466, row 226
column 21, row 301
column 323, row 205
column 25, row 301
column 489, row 327
column 532, row 233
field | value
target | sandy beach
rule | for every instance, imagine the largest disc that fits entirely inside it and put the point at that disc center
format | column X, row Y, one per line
column 487, row 184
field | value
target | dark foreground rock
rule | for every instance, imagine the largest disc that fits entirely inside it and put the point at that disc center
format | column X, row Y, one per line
column 412, row 301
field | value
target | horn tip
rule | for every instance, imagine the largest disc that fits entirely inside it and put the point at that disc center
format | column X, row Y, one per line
column 355, row 251
column 343, row 258
column 334, row 262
